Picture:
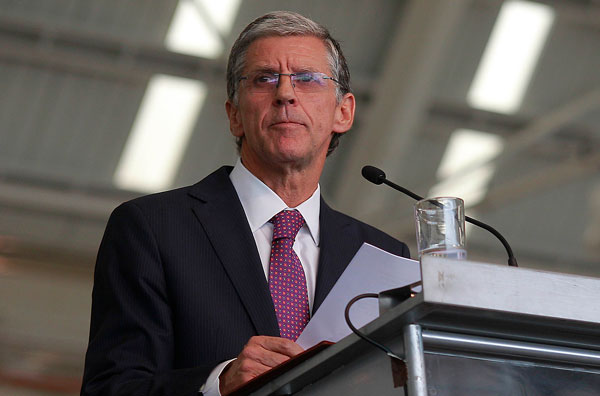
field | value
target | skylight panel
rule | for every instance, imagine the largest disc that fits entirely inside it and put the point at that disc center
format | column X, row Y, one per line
column 463, row 171
column 160, row 133
column 198, row 26
column 510, row 57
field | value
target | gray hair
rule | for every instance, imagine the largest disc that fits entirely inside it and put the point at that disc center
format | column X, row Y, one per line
column 287, row 23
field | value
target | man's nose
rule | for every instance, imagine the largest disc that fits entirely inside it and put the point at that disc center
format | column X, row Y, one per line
column 284, row 91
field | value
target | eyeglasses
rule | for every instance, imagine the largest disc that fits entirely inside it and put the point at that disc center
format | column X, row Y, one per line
column 264, row 82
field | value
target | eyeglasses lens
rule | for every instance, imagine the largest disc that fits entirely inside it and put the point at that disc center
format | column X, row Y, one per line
column 302, row 82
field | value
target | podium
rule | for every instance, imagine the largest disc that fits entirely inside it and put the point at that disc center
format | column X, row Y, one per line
column 475, row 329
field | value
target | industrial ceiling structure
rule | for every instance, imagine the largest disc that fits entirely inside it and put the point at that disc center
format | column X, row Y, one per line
column 90, row 88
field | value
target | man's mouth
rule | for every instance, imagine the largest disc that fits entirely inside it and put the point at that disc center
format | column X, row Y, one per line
column 286, row 123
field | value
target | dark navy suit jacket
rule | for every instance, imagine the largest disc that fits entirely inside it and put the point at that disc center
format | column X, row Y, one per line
column 179, row 287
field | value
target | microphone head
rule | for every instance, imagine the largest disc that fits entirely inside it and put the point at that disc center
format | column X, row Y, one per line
column 372, row 174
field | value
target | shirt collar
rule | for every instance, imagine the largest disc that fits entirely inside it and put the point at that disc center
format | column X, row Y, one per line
column 261, row 203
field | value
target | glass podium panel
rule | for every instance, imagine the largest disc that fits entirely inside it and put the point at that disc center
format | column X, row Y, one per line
column 451, row 375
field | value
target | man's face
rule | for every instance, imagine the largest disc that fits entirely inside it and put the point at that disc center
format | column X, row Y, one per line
column 283, row 126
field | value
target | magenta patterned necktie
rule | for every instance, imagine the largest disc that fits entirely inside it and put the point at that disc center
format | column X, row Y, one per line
column 287, row 282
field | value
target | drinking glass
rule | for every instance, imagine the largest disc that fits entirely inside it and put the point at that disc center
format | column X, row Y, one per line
column 441, row 227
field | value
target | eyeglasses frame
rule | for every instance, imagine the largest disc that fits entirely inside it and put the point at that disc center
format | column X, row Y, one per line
column 323, row 75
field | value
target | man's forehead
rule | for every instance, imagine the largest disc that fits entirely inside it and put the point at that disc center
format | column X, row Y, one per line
column 302, row 51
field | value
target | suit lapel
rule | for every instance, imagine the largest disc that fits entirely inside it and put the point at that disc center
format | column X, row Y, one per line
column 338, row 245
column 221, row 214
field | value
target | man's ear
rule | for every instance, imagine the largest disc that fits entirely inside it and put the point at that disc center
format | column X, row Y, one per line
column 344, row 114
column 235, row 119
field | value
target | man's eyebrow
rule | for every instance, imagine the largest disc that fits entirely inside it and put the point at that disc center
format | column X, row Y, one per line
column 268, row 69
column 264, row 69
column 306, row 70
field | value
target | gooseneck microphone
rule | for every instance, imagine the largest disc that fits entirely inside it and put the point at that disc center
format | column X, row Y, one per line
column 377, row 176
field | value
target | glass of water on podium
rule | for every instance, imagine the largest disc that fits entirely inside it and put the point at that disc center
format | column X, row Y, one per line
column 441, row 227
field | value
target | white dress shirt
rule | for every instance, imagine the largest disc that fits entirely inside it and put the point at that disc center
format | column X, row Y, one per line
column 260, row 204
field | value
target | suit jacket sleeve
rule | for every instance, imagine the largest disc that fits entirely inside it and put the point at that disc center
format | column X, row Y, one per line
column 131, row 336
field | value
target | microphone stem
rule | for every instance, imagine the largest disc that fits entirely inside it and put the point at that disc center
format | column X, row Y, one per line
column 404, row 190
column 512, row 261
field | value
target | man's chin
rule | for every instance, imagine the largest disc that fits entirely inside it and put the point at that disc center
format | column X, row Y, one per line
column 291, row 157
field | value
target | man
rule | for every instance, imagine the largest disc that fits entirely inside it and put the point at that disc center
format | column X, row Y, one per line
column 187, row 294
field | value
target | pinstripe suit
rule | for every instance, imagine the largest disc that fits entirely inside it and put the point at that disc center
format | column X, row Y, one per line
column 179, row 287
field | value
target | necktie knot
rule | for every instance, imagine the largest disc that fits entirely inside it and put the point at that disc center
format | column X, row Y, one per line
column 286, row 224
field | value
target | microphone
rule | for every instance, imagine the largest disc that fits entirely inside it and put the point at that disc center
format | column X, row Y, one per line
column 377, row 176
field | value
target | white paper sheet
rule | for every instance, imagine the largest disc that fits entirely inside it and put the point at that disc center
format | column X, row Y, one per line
column 372, row 270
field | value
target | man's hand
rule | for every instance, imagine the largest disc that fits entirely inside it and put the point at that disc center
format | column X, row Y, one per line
column 260, row 354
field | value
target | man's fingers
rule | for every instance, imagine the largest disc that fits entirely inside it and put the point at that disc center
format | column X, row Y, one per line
column 257, row 353
column 270, row 351
column 260, row 354
column 239, row 372
column 248, row 368
column 276, row 344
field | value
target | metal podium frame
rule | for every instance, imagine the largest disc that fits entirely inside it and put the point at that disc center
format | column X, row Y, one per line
column 490, row 310
column 467, row 309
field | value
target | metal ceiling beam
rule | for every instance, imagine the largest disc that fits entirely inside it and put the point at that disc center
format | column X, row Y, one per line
column 70, row 203
column 549, row 123
column 527, row 184
column 544, row 179
column 96, row 55
column 106, row 56
column 400, row 97
column 57, row 210
column 542, row 127
column 577, row 13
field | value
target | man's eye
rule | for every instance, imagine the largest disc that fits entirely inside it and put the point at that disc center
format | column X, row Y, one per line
column 263, row 78
column 305, row 77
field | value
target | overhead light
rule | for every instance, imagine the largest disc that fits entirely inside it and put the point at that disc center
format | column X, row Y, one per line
column 198, row 26
column 463, row 171
column 160, row 133
column 466, row 148
column 471, row 187
column 510, row 57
